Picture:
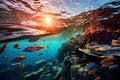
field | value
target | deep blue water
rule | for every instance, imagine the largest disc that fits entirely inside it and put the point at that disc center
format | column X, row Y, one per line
column 52, row 43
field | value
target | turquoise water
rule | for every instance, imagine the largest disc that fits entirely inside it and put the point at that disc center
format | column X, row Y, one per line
column 52, row 43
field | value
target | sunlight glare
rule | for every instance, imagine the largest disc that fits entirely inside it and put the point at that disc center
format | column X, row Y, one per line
column 48, row 20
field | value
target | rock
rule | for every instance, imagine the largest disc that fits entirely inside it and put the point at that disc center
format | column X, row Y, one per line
column 65, row 48
column 40, row 61
column 78, row 73
column 101, row 50
column 92, row 66
column 50, row 73
column 45, row 74
column 56, row 70
column 66, row 68
column 46, row 77
column 115, row 43
column 35, row 72
column 43, row 62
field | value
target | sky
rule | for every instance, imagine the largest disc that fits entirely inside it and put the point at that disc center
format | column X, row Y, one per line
column 72, row 6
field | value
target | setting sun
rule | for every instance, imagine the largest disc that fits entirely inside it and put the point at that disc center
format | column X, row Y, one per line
column 48, row 20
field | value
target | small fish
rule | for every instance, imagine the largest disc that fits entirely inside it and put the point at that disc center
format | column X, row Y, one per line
column 5, row 57
column 77, row 34
column 18, row 67
column 44, row 40
column 5, row 70
column 61, row 78
column 40, row 54
column 76, row 47
column 92, row 72
column 2, row 49
column 16, row 46
column 24, row 73
column 47, row 46
column 33, row 48
column 15, row 64
column 107, row 62
column 34, row 39
column 75, row 30
column 18, row 59
column 76, row 58
column 113, row 66
column 73, row 52
column 68, row 53
column 98, row 78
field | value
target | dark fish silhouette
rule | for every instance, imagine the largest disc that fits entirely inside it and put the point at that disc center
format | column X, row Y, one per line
column 33, row 48
column 18, row 67
column 5, row 57
column 24, row 73
column 2, row 49
column 18, row 59
column 34, row 39
column 16, row 46
column 107, row 62
column 40, row 54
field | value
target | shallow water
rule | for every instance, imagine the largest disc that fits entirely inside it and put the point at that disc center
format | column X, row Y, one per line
column 52, row 43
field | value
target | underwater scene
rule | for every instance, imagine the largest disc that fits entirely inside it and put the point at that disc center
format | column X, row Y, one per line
column 59, row 39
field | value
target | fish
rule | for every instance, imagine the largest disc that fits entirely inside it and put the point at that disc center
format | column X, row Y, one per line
column 18, row 59
column 75, row 30
column 77, row 34
column 92, row 72
column 33, row 48
column 114, row 66
column 40, row 61
column 61, row 78
column 107, row 62
column 24, row 73
column 98, row 78
column 18, row 67
column 2, row 49
column 15, row 64
column 40, row 54
column 47, row 46
column 34, row 39
column 5, row 70
column 5, row 57
column 76, row 47
column 76, row 58
column 16, row 46
column 68, row 53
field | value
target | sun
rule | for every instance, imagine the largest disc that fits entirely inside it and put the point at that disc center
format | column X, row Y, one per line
column 48, row 20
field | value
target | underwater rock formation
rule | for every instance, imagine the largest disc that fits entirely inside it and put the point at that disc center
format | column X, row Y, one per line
column 76, row 68
column 92, row 62
column 45, row 70
column 69, row 47
column 104, row 24
column 101, row 25
column 91, row 66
